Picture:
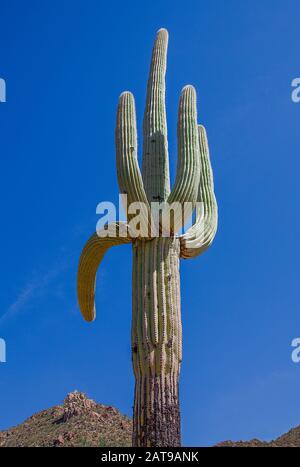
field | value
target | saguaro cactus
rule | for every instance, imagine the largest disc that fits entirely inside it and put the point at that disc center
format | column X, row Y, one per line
column 156, row 314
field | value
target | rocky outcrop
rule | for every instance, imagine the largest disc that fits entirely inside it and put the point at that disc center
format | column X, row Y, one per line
column 79, row 421
column 76, row 403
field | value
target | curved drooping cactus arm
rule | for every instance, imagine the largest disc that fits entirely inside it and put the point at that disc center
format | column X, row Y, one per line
column 155, row 143
column 90, row 259
column 188, row 163
column 200, row 236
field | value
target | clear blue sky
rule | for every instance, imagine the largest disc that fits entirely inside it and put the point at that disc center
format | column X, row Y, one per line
column 65, row 63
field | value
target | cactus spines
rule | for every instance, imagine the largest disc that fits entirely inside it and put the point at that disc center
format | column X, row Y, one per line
column 156, row 331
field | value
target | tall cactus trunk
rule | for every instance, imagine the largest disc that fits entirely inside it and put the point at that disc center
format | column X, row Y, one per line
column 156, row 342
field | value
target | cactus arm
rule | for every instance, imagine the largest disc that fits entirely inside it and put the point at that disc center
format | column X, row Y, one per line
column 90, row 259
column 155, row 144
column 188, row 163
column 128, row 171
column 200, row 236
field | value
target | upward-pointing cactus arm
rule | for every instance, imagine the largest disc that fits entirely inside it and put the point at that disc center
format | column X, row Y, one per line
column 90, row 259
column 200, row 236
column 128, row 171
column 188, row 163
column 155, row 144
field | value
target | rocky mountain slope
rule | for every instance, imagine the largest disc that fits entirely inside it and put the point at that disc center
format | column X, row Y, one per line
column 78, row 422
column 288, row 440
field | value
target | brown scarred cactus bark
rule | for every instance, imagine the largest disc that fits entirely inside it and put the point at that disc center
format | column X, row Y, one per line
column 156, row 314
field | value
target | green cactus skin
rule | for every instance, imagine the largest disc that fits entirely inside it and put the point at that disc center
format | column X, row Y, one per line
column 156, row 315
